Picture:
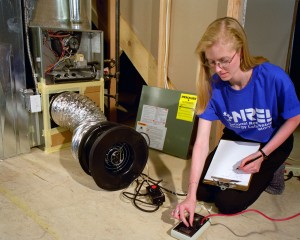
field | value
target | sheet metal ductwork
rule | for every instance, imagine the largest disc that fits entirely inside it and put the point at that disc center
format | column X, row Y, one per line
column 113, row 154
column 66, row 14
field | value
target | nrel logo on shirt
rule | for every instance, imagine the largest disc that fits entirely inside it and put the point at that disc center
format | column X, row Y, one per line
column 249, row 118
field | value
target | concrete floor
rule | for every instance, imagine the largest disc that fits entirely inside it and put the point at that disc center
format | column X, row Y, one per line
column 48, row 196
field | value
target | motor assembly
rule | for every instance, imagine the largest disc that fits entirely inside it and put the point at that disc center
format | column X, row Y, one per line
column 70, row 64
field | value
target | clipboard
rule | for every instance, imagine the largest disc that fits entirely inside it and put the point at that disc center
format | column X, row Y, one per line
column 223, row 171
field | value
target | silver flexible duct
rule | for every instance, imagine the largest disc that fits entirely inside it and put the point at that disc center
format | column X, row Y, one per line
column 70, row 109
column 77, row 113
column 78, row 134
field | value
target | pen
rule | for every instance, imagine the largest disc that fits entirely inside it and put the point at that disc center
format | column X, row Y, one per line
column 252, row 160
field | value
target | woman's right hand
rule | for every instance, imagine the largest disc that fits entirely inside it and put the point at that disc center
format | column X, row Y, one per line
column 200, row 153
column 185, row 208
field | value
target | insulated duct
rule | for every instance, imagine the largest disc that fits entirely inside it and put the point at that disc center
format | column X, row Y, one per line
column 113, row 154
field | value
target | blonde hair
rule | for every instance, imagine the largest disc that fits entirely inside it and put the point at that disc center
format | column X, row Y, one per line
column 225, row 30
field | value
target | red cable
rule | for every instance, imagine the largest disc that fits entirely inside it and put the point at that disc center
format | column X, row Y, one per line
column 250, row 210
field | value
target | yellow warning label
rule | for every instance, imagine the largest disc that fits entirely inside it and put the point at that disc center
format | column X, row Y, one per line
column 186, row 107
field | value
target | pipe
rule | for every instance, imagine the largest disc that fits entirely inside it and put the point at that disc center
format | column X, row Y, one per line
column 117, row 61
column 26, row 24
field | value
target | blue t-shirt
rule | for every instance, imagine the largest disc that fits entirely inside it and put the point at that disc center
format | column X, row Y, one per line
column 259, row 109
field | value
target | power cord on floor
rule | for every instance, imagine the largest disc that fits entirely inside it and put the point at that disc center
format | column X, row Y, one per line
column 251, row 210
column 290, row 175
column 153, row 198
column 135, row 198
column 151, row 180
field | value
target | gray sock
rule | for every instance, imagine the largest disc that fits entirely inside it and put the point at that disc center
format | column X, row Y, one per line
column 277, row 184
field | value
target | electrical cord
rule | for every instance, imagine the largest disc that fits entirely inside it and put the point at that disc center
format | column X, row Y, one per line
column 290, row 175
column 172, row 192
column 135, row 199
column 146, row 179
column 150, row 181
column 250, row 210
column 137, row 195
column 165, row 189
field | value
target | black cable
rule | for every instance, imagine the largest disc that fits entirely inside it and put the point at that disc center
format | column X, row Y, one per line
column 146, row 136
column 153, row 181
column 289, row 176
column 137, row 194
column 134, row 197
column 165, row 189
column 174, row 193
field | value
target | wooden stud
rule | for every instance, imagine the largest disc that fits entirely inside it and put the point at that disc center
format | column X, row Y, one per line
column 164, row 24
column 235, row 9
column 140, row 57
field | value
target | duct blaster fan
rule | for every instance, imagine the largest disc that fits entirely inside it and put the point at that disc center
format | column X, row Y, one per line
column 113, row 154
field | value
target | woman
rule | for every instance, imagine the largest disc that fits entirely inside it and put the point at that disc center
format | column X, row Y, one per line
column 255, row 100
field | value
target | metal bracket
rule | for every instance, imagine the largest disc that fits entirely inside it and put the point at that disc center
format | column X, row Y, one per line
column 224, row 183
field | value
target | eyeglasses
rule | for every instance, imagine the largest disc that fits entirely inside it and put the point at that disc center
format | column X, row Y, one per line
column 224, row 63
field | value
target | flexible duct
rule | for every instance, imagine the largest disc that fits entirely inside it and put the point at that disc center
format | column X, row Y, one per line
column 113, row 154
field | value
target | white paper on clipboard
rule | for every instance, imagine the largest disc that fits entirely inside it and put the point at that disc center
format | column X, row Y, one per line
column 226, row 160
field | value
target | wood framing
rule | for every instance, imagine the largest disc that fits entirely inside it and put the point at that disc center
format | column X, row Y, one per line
column 236, row 9
column 164, row 24
column 56, row 138
column 140, row 57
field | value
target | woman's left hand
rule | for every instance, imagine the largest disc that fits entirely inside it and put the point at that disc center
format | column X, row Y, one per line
column 252, row 163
